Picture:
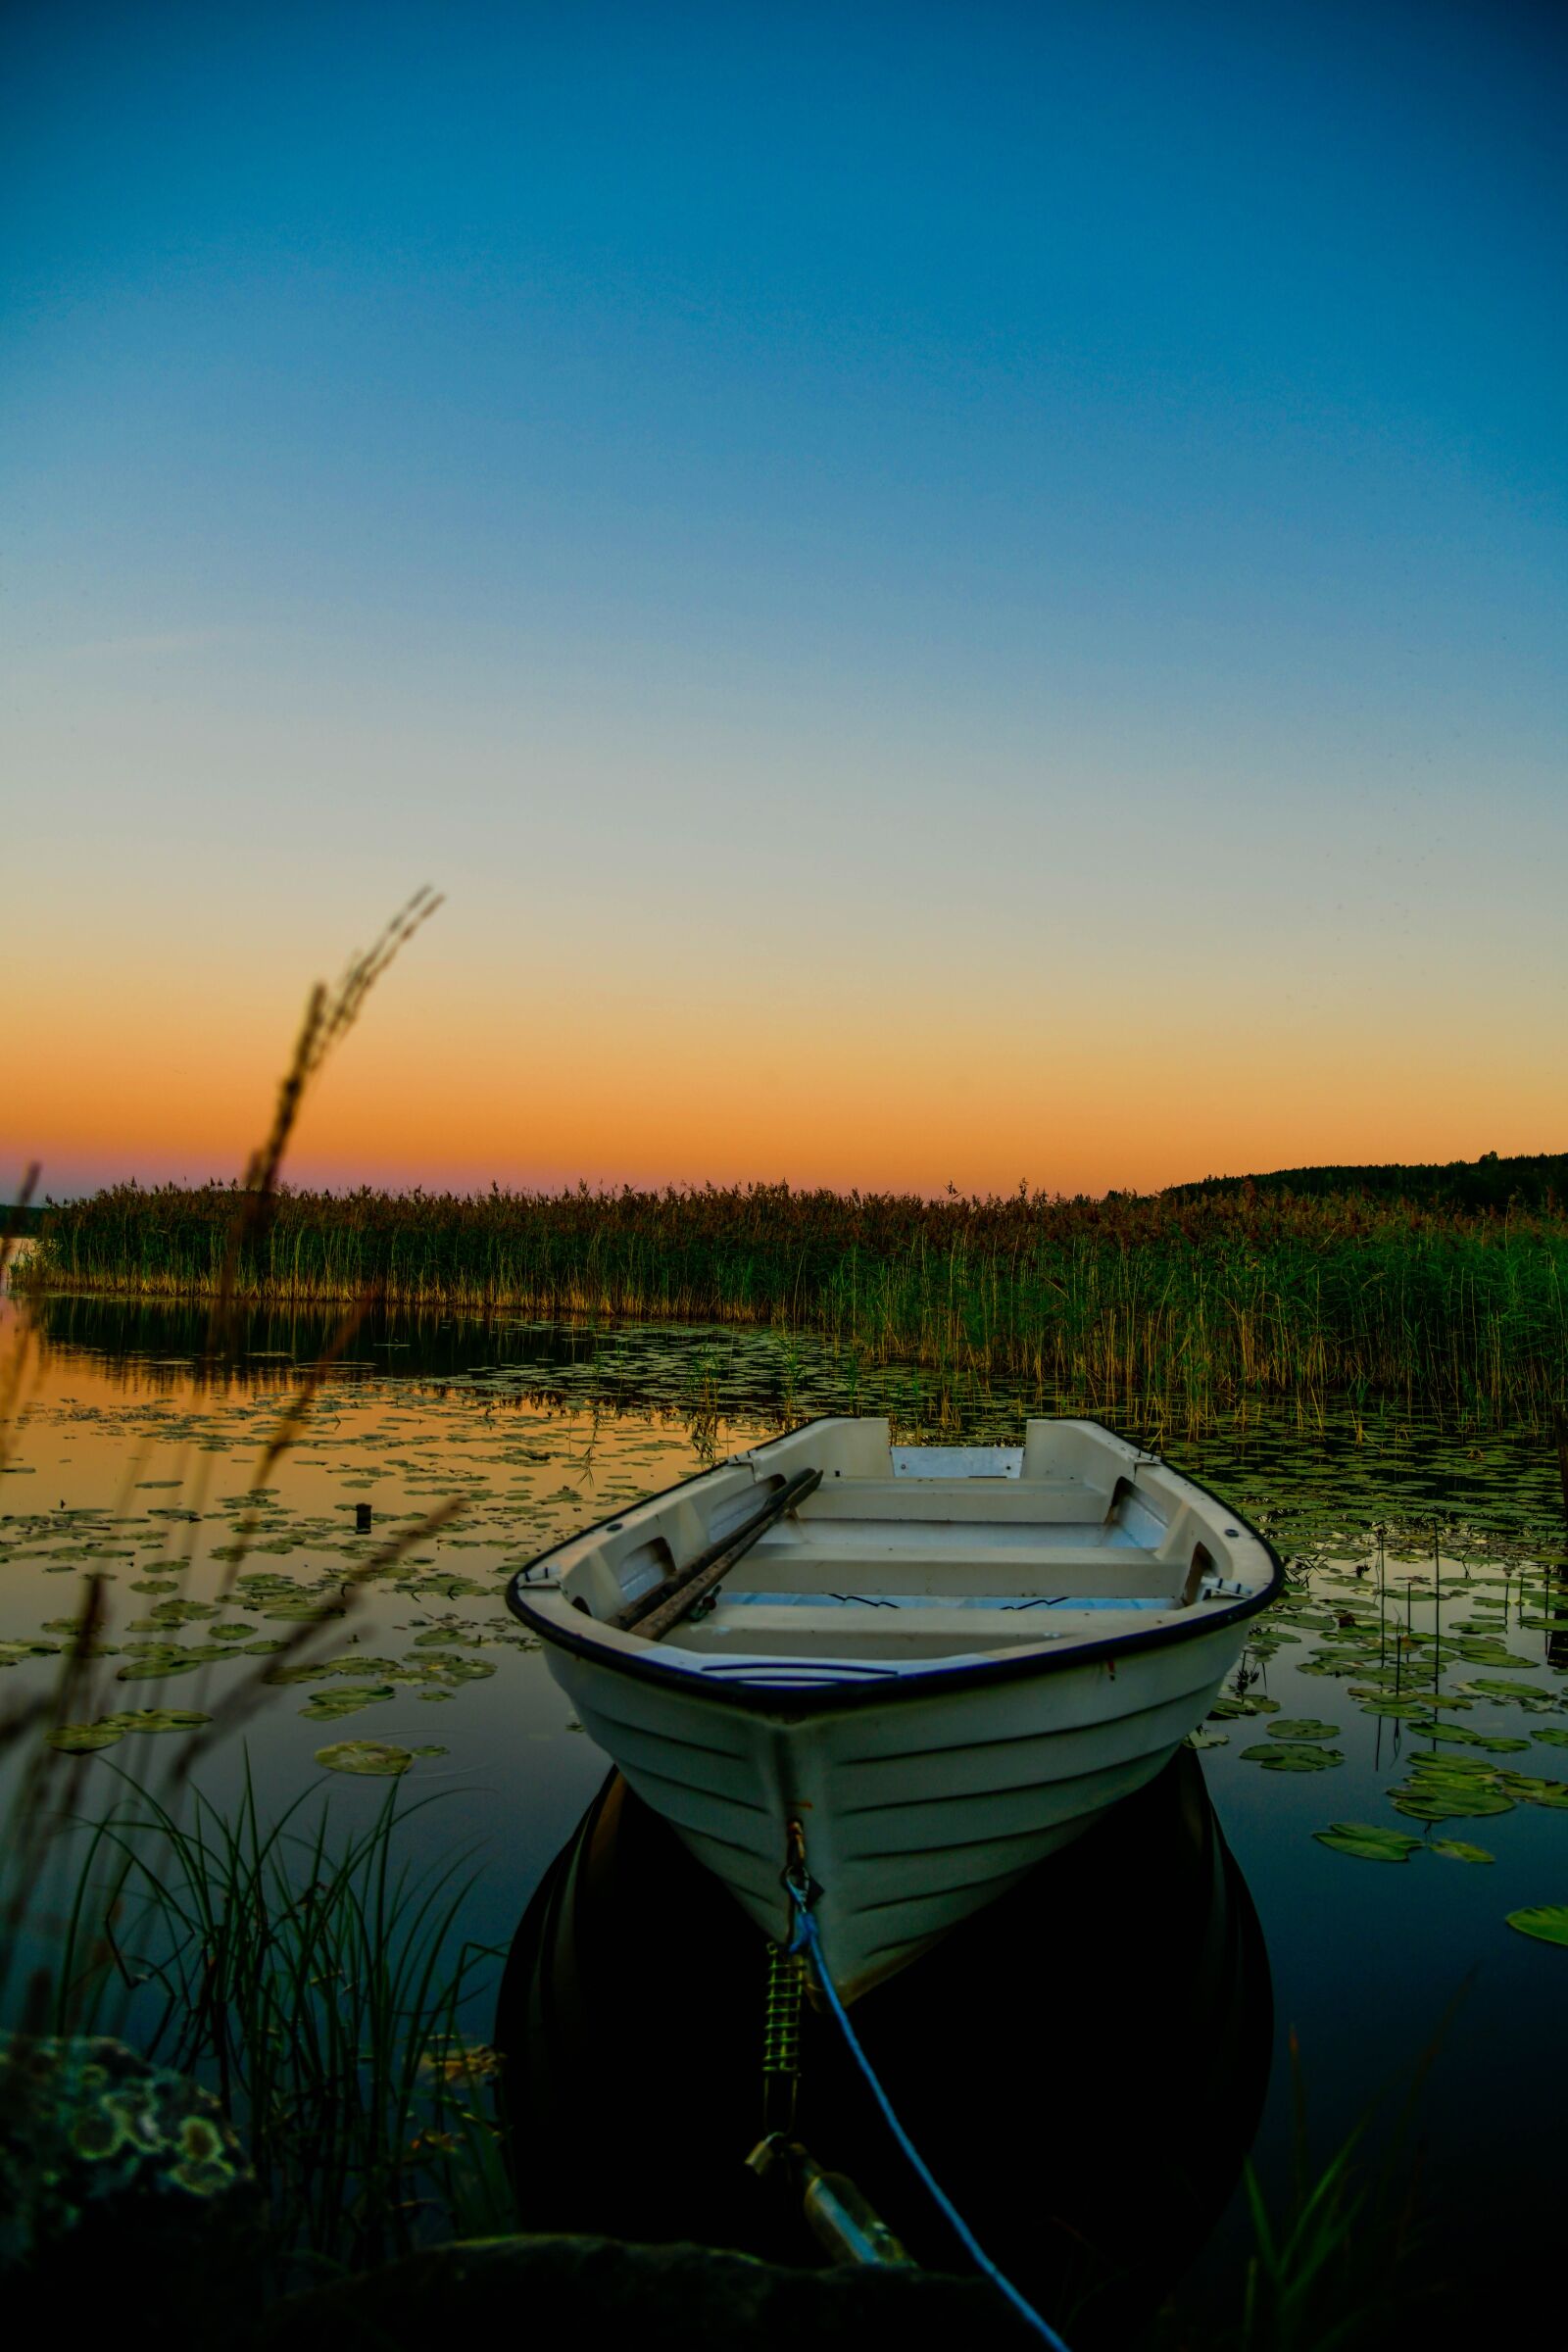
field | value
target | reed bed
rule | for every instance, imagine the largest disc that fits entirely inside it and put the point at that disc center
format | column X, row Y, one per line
column 1196, row 1301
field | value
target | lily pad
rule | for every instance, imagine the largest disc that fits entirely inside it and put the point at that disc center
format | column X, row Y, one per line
column 327, row 1706
column 1546, row 1922
column 1458, row 1851
column 1553, row 1794
column 1299, row 1758
column 1496, row 1743
column 1367, row 1842
column 384, row 1669
column 1229, row 1707
column 1302, row 1727
column 80, row 1738
column 1202, row 1740
column 446, row 1670
column 156, row 1718
column 154, row 1663
column 371, row 1756
column 1452, row 1802
column 1555, row 1735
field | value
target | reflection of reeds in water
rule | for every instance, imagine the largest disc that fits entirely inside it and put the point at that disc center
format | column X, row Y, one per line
column 1191, row 1302
column 15, row 1359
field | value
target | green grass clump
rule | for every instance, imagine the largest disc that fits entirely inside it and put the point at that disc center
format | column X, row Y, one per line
column 313, row 1981
column 1197, row 1300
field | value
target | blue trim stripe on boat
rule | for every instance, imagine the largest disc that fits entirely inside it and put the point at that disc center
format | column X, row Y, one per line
column 942, row 1600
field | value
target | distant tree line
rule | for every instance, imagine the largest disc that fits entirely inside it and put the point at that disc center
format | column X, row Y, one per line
column 1529, row 1180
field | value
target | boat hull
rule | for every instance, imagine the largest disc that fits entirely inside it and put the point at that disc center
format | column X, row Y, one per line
column 919, row 1806
column 1041, row 2008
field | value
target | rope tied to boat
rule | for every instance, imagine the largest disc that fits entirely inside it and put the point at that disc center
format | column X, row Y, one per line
column 806, row 1945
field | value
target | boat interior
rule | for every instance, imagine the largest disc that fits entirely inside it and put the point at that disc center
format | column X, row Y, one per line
column 911, row 1553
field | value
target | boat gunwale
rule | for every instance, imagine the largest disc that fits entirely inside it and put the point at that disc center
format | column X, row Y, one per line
column 902, row 1686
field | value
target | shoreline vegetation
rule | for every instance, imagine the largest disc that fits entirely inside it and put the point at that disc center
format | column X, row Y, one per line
column 1193, row 1299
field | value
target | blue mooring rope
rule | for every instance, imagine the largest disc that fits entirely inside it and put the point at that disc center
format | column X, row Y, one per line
column 805, row 1940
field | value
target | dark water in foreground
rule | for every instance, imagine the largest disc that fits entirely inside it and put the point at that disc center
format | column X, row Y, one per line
column 1425, row 1626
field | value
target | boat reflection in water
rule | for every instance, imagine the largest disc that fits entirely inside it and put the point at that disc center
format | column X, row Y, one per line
column 1082, row 2065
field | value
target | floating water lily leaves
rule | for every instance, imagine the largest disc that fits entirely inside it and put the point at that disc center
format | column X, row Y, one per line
column 1553, row 1734
column 1546, row 1922
column 1553, row 1794
column 1461, row 1735
column 437, row 1676
column 1302, row 1727
column 174, row 1613
column 380, row 1757
column 1476, row 1652
column 381, row 1668
column 1230, row 1705
column 157, row 1660
column 1458, row 1851
column 327, row 1706
column 157, row 1719
column 1202, row 1738
column 1367, row 1842
column 1449, row 1797
column 371, row 1756
column 1300, row 1757
column 82, row 1738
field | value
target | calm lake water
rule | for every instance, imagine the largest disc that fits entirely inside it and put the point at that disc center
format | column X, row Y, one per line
column 1425, row 1626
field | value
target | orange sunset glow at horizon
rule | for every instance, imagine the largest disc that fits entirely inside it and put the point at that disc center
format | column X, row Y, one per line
column 437, row 1088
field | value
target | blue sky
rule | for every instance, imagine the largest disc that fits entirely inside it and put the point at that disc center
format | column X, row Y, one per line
column 1022, row 515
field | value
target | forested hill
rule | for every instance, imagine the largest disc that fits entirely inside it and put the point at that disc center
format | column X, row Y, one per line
column 1536, row 1180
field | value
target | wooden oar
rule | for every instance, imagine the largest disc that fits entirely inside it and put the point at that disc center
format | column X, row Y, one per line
column 654, row 1613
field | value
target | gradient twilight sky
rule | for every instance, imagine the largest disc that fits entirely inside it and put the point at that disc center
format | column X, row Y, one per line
column 950, row 592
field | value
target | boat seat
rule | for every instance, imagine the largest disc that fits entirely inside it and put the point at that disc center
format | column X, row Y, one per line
column 948, row 1564
column 990, row 1501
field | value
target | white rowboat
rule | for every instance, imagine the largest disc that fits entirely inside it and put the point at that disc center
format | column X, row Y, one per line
column 943, row 1662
